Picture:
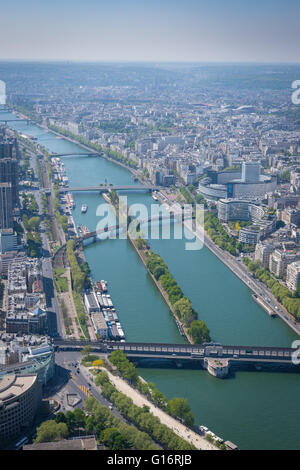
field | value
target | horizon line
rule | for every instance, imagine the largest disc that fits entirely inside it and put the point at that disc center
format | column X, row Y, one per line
column 138, row 61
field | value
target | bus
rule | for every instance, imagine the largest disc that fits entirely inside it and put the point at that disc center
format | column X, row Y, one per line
column 21, row 442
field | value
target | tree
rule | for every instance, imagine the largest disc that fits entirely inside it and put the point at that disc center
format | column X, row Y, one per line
column 86, row 350
column 114, row 439
column 140, row 242
column 79, row 418
column 97, row 363
column 175, row 294
column 179, row 407
column 34, row 223
column 25, row 221
column 71, row 421
column 101, row 378
column 183, row 309
column 90, row 404
column 50, row 431
column 199, row 332
column 60, row 417
column 158, row 271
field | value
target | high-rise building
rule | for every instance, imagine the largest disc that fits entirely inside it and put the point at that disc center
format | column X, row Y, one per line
column 20, row 397
column 8, row 148
column 8, row 240
column 8, row 180
column 6, row 206
column 9, row 174
column 2, row 92
column 279, row 261
column 263, row 252
column 250, row 172
column 293, row 275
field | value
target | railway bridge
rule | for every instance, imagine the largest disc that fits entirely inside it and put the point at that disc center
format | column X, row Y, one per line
column 217, row 359
column 106, row 189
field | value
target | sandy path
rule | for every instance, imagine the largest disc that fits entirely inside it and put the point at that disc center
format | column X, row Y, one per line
column 180, row 429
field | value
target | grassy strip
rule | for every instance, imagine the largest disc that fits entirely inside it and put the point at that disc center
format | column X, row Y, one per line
column 61, row 283
column 80, row 313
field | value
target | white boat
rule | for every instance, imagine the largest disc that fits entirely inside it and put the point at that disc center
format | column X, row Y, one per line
column 84, row 208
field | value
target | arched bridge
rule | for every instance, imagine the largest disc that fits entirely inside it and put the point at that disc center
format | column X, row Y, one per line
column 74, row 154
column 94, row 234
column 113, row 228
column 105, row 189
column 15, row 120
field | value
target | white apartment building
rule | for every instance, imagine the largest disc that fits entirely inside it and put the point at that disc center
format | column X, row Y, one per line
column 293, row 276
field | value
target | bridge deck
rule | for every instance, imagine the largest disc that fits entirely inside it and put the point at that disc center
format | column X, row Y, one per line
column 190, row 351
column 109, row 188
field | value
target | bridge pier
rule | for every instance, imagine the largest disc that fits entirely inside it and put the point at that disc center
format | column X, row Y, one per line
column 217, row 367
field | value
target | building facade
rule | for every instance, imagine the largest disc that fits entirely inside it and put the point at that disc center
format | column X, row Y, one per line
column 20, row 398
column 293, row 276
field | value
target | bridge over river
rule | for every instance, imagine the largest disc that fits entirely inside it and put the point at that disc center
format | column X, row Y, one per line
column 106, row 189
column 74, row 154
column 216, row 358
column 59, row 256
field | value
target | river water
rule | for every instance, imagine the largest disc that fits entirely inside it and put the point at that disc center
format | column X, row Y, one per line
column 255, row 410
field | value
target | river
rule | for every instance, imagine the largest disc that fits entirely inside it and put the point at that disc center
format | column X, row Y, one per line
column 255, row 410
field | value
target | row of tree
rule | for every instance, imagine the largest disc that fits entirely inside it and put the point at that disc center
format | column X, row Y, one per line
column 186, row 195
column 183, row 308
column 291, row 301
column 110, row 153
column 46, row 217
column 96, row 420
column 177, row 407
column 62, row 219
column 142, row 417
column 78, row 275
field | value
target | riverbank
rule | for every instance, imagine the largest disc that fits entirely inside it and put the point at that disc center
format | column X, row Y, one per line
column 239, row 270
column 161, row 290
column 177, row 427
column 243, row 275
column 77, row 142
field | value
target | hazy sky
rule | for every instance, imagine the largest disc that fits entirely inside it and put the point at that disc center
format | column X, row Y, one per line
column 151, row 30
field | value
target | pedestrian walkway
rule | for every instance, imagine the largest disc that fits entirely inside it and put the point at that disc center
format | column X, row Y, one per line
column 140, row 400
